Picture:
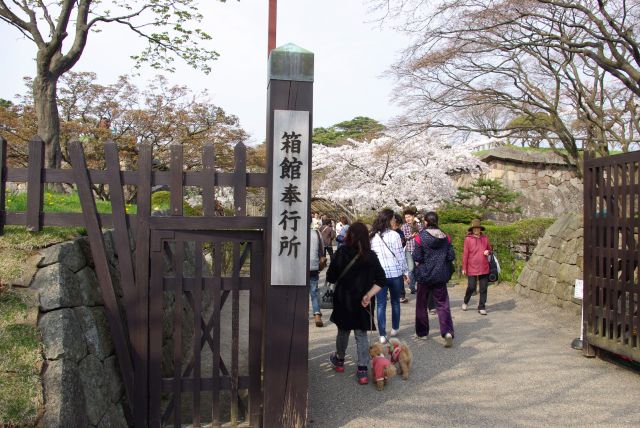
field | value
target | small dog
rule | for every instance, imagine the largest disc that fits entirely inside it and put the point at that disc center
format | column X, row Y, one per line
column 400, row 354
column 382, row 369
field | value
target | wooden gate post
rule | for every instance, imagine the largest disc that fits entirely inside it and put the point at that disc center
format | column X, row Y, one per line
column 286, row 332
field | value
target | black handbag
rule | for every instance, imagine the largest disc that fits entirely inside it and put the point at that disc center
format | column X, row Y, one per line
column 326, row 301
column 494, row 273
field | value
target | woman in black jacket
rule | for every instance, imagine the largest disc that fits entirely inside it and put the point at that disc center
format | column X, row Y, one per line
column 358, row 276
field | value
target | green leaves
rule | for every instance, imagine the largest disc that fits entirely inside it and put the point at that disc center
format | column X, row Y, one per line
column 358, row 128
column 487, row 196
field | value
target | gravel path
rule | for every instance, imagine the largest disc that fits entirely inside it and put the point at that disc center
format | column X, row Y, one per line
column 514, row 368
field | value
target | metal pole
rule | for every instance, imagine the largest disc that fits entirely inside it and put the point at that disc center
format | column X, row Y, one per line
column 273, row 18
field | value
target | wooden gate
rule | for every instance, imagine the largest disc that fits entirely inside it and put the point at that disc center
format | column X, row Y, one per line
column 168, row 326
column 612, row 254
column 193, row 275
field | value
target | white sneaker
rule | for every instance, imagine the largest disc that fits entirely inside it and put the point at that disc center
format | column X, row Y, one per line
column 383, row 339
column 448, row 340
column 482, row 312
column 393, row 333
column 464, row 306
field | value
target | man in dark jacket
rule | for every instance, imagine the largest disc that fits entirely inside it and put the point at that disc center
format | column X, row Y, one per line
column 433, row 256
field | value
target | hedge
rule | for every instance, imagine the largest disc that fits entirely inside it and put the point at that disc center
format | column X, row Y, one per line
column 503, row 239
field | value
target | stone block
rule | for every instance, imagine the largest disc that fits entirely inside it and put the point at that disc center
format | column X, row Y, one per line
column 114, row 378
column 110, row 247
column 95, row 329
column 65, row 406
column 114, row 418
column 95, row 387
column 89, row 287
column 62, row 335
column 67, row 253
column 58, row 287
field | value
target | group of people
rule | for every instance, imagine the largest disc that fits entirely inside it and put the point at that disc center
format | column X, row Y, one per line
column 372, row 264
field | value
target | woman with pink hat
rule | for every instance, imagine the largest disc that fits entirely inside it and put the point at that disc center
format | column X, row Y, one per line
column 475, row 264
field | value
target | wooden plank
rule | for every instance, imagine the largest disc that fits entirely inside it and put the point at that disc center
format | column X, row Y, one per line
column 285, row 356
column 99, row 254
column 178, row 261
column 121, row 234
column 206, row 383
column 256, row 313
column 197, row 333
column 35, row 186
column 141, row 327
column 215, row 348
column 615, row 283
column 235, row 331
column 207, row 223
column 63, row 219
column 156, row 310
column 227, row 284
column 177, row 191
column 159, row 178
column 615, row 159
column 209, row 186
column 623, row 253
column 3, row 183
column 240, row 181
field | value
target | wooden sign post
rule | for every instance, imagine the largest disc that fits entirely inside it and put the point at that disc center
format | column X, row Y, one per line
column 286, row 332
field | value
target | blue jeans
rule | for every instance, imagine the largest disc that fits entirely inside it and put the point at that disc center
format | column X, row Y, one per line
column 394, row 285
column 313, row 292
column 411, row 267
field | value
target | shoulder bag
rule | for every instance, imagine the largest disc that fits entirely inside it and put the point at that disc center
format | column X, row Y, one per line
column 326, row 302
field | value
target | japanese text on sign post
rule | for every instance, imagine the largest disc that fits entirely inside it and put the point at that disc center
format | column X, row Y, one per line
column 290, row 201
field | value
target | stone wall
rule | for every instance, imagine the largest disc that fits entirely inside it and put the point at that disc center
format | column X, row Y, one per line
column 556, row 263
column 548, row 186
column 81, row 379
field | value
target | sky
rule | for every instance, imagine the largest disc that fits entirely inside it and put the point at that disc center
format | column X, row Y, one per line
column 352, row 53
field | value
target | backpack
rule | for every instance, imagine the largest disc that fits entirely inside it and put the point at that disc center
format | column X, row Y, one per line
column 451, row 254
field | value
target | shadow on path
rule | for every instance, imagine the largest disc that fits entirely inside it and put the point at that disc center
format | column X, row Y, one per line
column 513, row 367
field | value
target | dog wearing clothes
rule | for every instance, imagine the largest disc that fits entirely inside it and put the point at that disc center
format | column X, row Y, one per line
column 381, row 367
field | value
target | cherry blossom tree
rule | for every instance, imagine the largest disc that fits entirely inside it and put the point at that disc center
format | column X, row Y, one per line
column 390, row 171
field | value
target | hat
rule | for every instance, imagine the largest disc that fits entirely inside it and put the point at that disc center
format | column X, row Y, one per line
column 475, row 223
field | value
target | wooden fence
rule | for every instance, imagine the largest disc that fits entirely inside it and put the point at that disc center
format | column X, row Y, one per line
column 612, row 253
column 139, row 347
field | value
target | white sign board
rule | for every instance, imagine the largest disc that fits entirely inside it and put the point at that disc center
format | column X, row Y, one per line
column 579, row 290
column 290, row 198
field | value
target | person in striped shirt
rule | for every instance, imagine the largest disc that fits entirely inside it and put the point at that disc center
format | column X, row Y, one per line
column 387, row 245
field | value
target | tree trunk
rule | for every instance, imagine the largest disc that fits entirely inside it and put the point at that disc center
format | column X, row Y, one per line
column 44, row 96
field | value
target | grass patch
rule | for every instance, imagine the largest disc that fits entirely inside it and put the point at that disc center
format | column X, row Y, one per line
column 20, row 362
column 17, row 244
column 54, row 202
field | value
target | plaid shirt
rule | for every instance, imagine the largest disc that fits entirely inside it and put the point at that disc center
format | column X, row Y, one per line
column 390, row 253
column 411, row 243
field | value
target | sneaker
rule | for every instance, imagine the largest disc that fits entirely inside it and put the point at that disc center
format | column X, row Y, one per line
column 432, row 311
column 362, row 376
column 404, row 300
column 482, row 312
column 415, row 336
column 383, row 339
column 393, row 333
column 337, row 363
column 464, row 306
column 448, row 340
